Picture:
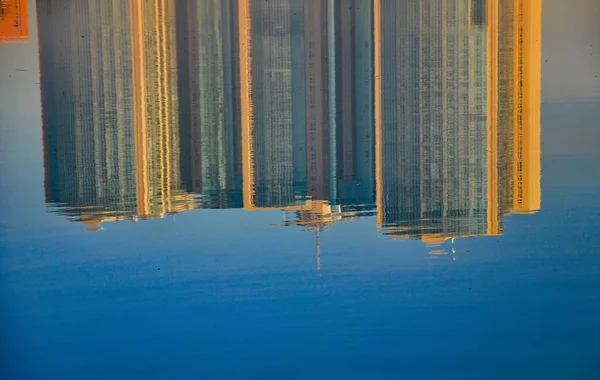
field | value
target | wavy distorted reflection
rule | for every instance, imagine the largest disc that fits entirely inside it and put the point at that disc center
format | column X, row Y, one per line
column 423, row 113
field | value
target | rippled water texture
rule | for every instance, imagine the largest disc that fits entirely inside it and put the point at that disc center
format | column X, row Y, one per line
column 299, row 189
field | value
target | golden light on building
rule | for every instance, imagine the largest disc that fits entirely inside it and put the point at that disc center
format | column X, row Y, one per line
column 377, row 72
column 93, row 221
column 13, row 20
column 139, row 86
column 493, row 215
column 527, row 61
column 246, row 105
column 155, row 105
column 434, row 239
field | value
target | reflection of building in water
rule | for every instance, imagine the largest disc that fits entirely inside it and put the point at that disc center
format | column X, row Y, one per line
column 284, row 102
column 519, row 103
column 156, row 105
column 317, row 216
column 110, row 151
column 306, row 90
column 452, row 98
column 354, row 104
column 13, row 20
column 314, row 216
column 436, row 127
column 85, row 77
column 208, row 51
column 301, row 106
column 306, row 70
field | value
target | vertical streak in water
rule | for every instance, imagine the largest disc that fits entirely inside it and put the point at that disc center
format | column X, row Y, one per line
column 246, row 106
column 378, row 109
column 167, row 107
column 139, row 101
column 159, row 92
column 229, row 96
column 492, row 117
column 332, row 100
column 362, row 67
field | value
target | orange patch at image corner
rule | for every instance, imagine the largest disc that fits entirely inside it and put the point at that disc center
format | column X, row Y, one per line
column 13, row 20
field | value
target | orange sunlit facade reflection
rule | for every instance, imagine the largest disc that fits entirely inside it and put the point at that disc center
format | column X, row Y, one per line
column 527, row 50
column 13, row 20
column 155, row 103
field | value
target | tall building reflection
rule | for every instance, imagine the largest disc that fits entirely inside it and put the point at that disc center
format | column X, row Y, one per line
column 435, row 122
column 109, row 104
column 306, row 99
column 354, row 123
column 519, row 106
column 439, row 131
column 208, row 58
column 284, row 102
column 87, row 108
column 423, row 113
column 156, row 127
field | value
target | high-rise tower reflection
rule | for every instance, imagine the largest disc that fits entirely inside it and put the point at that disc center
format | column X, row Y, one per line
column 284, row 99
column 306, row 69
column 156, row 107
column 434, row 120
column 354, row 148
column 208, row 61
column 109, row 102
column 438, row 130
column 520, row 51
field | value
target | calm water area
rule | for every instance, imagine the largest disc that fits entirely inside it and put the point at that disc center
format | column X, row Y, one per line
column 299, row 189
